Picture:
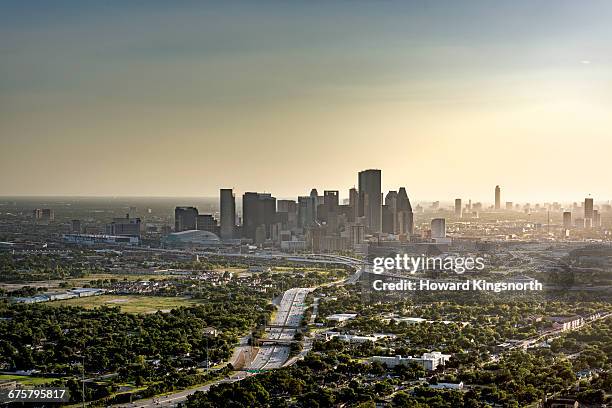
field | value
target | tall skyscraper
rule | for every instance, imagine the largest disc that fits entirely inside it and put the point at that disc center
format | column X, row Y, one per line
column 390, row 225
column 596, row 219
column 185, row 219
column 567, row 219
column 438, row 228
column 405, row 216
column 258, row 216
column 228, row 213
column 370, row 199
column 588, row 208
column 497, row 198
column 458, row 208
column 353, row 204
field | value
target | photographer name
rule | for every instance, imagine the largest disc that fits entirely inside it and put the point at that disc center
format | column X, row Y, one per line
column 470, row 284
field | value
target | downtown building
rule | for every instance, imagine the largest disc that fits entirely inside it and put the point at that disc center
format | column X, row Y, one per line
column 370, row 200
column 259, row 217
column 227, row 207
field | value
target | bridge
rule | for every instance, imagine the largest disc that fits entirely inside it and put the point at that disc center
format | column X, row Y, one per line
column 276, row 341
column 280, row 326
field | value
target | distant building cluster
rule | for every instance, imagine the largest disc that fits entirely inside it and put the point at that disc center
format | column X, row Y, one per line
column 313, row 222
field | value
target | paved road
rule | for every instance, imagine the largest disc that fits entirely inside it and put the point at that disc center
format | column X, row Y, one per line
column 289, row 313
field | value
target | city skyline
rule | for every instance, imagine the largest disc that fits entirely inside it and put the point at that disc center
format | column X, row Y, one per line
column 157, row 100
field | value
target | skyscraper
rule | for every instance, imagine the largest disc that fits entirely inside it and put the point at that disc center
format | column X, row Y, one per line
column 497, row 198
column 567, row 219
column 370, row 199
column 588, row 208
column 258, row 215
column 458, row 208
column 405, row 216
column 185, row 218
column 228, row 213
column 390, row 225
column 353, row 204
column 438, row 228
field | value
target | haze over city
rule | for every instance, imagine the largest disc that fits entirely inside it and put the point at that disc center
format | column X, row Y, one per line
column 148, row 99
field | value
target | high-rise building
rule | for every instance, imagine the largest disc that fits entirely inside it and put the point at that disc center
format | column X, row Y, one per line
column 303, row 215
column 206, row 222
column 330, row 208
column 228, row 213
column 458, row 208
column 438, row 228
column 258, row 216
column 405, row 216
column 509, row 205
column 497, row 198
column 357, row 234
column 354, row 204
column 76, row 226
column 43, row 214
column 124, row 226
column 288, row 210
column 389, row 216
column 185, row 219
column 567, row 219
column 370, row 199
column 588, row 208
column 596, row 219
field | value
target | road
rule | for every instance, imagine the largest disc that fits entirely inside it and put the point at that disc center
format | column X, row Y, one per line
column 290, row 312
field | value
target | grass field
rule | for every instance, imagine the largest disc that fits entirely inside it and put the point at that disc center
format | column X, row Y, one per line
column 130, row 303
column 26, row 379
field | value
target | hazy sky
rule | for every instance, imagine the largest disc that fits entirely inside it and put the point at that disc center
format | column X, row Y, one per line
column 448, row 98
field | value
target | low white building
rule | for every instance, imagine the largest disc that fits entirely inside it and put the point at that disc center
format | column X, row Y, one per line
column 447, row 386
column 429, row 361
column 341, row 317
column 351, row 338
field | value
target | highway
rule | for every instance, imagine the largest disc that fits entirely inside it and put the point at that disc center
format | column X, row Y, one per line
column 288, row 316
column 290, row 312
column 270, row 356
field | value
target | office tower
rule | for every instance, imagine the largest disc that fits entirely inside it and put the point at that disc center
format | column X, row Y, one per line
column 405, row 216
column 497, row 198
column 354, row 204
column 75, row 226
column 357, row 234
column 391, row 204
column 388, row 218
column 303, row 216
column 370, row 199
column 124, row 226
column 438, row 228
column 509, row 205
column 312, row 207
column 567, row 219
column 185, row 219
column 596, row 219
column 458, row 208
column 331, row 202
column 44, row 214
column 258, row 216
column 288, row 210
column 206, row 222
column 228, row 213
column 588, row 208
